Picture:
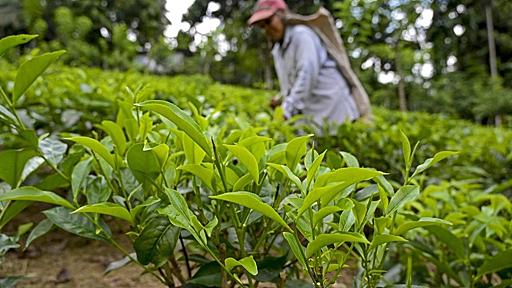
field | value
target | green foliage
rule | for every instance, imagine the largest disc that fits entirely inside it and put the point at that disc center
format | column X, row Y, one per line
column 235, row 186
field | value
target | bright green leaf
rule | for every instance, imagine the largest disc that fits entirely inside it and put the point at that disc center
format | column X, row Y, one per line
column 425, row 221
column 106, row 208
column 181, row 119
column 116, row 133
column 30, row 70
column 295, row 149
column 96, row 147
column 248, row 263
column 404, row 195
column 13, row 41
column 28, row 193
column 288, row 173
column 383, row 239
column 246, row 157
column 323, row 240
column 252, row 201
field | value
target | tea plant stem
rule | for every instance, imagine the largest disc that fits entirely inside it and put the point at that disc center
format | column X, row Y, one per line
column 123, row 189
column 11, row 106
column 176, row 270
column 167, row 282
column 109, row 183
column 311, row 274
column 185, row 254
column 54, row 167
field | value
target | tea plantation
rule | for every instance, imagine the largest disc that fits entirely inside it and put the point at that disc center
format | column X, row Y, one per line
column 217, row 190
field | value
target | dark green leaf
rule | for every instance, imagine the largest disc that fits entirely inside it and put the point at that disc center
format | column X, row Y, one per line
column 12, row 163
column 53, row 150
column 502, row 260
column 75, row 223
column 42, row 228
column 144, row 164
column 157, row 241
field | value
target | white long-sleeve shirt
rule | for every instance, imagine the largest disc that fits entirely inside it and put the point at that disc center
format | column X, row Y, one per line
column 310, row 80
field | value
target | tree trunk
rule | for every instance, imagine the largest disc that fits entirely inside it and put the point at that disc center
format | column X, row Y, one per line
column 498, row 119
column 402, row 98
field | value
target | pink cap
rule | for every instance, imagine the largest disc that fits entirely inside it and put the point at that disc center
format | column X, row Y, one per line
column 265, row 9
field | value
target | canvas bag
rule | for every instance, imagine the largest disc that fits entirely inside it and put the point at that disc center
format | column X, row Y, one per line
column 323, row 24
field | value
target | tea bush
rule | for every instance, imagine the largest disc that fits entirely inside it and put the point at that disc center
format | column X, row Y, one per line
column 224, row 193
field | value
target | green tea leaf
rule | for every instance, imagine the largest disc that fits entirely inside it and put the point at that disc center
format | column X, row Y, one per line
column 295, row 149
column 42, row 228
column 96, row 147
column 406, row 149
column 454, row 243
column 29, row 193
column 313, row 169
column 30, row 70
column 181, row 119
column 317, row 193
column 53, row 150
column 350, row 159
column 422, row 222
column 252, row 201
column 13, row 41
column 116, row 133
column 246, row 157
column 193, row 152
column 12, row 210
column 350, row 175
column 79, row 176
column 211, row 225
column 248, row 263
column 502, row 260
column 402, row 196
column 106, row 208
column 322, row 213
column 431, row 161
column 144, row 164
column 295, row 246
column 156, row 242
column 288, row 173
column 383, row 239
column 75, row 223
column 323, row 240
column 242, row 182
column 12, row 163
column 203, row 173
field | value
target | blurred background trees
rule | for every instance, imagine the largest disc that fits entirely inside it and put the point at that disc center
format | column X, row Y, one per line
column 443, row 56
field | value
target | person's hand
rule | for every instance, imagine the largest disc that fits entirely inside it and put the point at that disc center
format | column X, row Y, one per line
column 275, row 101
